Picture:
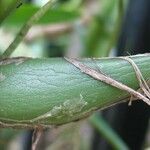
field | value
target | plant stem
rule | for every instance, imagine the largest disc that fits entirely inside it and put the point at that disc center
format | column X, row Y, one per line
column 107, row 132
column 20, row 36
column 53, row 91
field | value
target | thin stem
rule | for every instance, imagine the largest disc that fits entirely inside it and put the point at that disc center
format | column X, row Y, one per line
column 107, row 132
column 20, row 36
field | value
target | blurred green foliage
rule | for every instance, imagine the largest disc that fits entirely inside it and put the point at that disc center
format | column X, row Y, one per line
column 22, row 14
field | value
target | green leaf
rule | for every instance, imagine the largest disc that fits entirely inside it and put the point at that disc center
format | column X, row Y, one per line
column 7, row 9
column 22, row 14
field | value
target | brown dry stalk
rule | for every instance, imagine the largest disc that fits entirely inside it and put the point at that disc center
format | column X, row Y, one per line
column 143, row 84
column 50, row 31
column 104, row 78
column 24, row 126
column 37, row 133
